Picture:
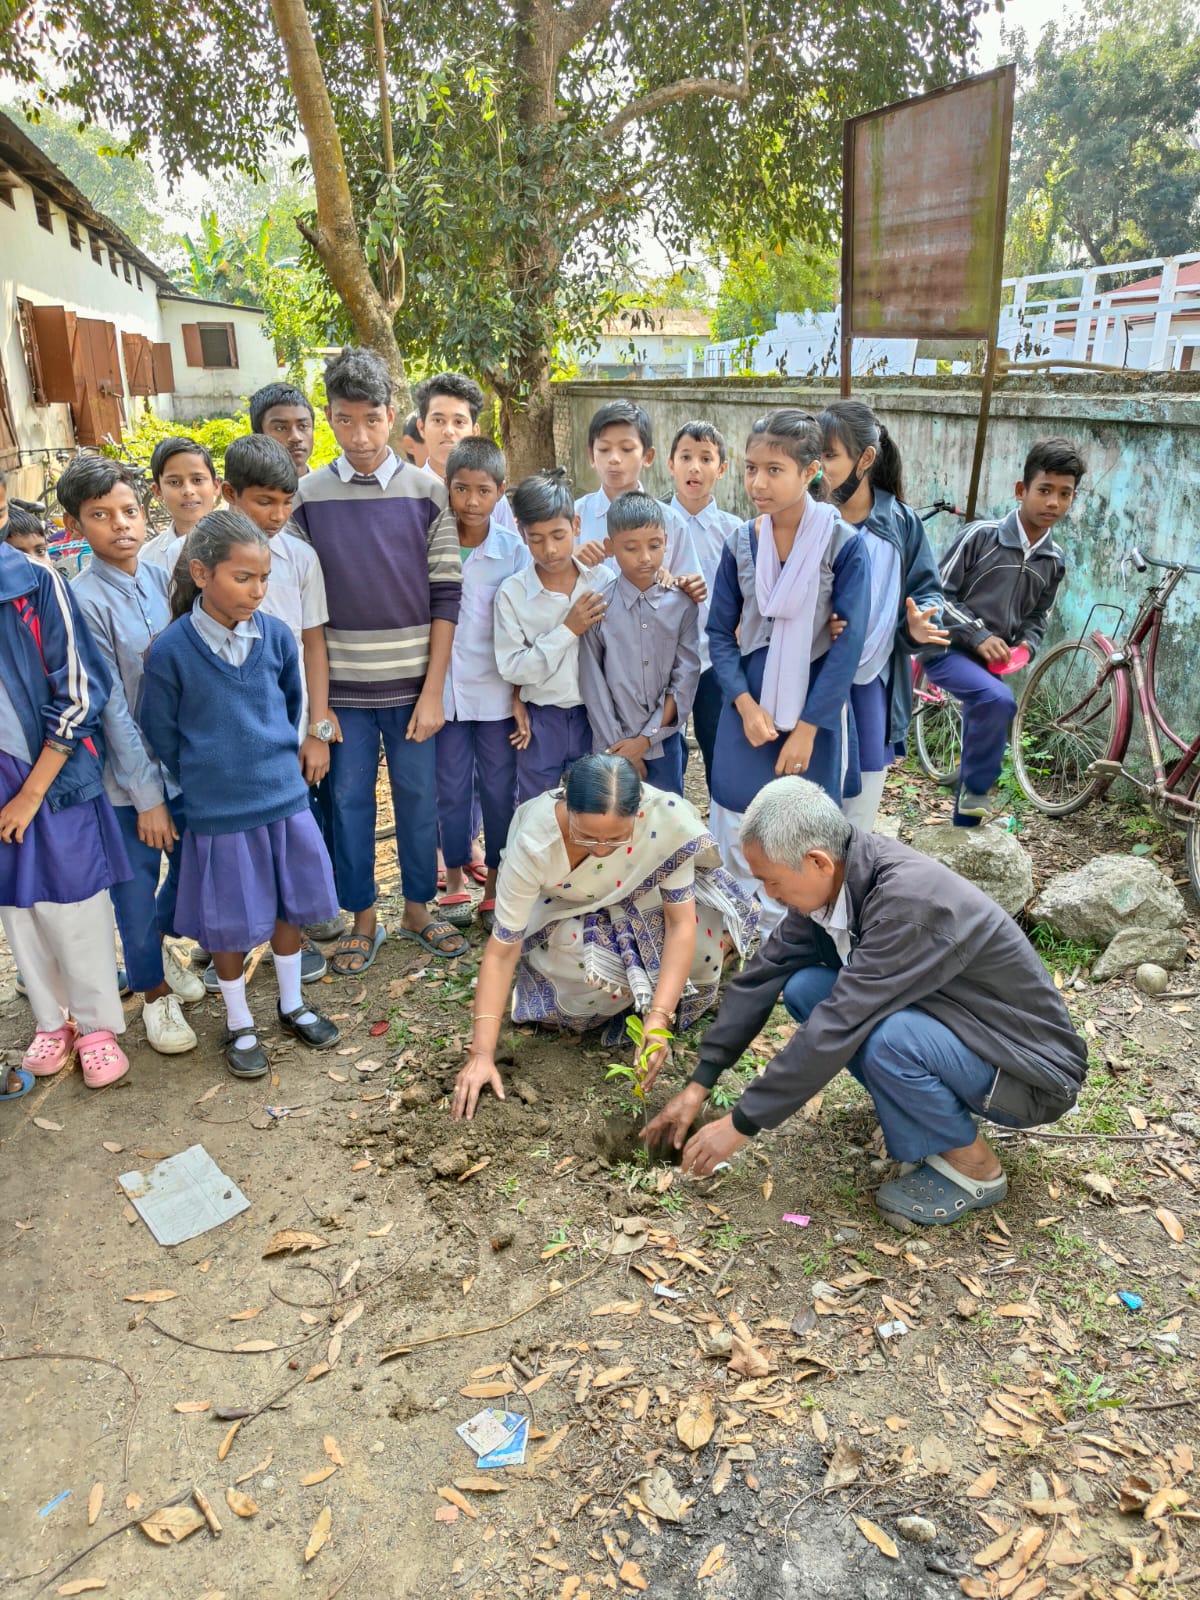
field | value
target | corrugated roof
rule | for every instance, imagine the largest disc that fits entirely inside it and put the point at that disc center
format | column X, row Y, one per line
column 671, row 324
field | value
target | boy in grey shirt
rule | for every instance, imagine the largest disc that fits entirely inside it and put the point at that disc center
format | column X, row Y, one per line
column 639, row 665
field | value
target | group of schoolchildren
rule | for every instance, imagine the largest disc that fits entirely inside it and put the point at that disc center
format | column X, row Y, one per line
column 193, row 726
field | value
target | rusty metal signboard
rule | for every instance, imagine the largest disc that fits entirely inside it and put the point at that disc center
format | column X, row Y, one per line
column 924, row 196
column 925, row 187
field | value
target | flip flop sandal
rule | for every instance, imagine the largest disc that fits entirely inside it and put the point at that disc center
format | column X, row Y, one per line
column 441, row 882
column 26, row 1081
column 456, row 908
column 101, row 1059
column 50, row 1052
column 487, row 914
column 477, row 872
column 431, row 937
column 935, row 1194
column 357, row 944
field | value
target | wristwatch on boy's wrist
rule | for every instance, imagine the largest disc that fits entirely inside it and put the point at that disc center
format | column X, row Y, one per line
column 323, row 730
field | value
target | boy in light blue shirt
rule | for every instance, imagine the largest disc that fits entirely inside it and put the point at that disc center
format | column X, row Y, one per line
column 620, row 444
column 696, row 463
column 477, row 746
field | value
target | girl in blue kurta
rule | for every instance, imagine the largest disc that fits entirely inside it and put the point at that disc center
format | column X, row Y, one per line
column 863, row 470
column 221, row 705
column 786, row 687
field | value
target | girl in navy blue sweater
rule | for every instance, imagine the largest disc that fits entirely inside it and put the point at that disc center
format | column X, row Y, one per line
column 862, row 468
column 60, row 845
column 221, row 707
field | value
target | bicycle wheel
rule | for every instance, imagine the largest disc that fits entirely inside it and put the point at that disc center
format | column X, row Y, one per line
column 1067, row 719
column 937, row 724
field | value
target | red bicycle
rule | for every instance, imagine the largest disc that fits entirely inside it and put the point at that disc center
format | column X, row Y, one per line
column 937, row 728
column 1076, row 717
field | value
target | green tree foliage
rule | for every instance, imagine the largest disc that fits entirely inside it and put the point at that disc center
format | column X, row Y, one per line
column 532, row 138
column 1106, row 165
column 759, row 281
column 120, row 186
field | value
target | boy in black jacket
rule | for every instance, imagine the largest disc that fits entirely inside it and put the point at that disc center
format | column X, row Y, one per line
column 1000, row 580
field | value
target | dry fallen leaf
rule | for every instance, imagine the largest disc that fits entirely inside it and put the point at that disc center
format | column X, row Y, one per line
column 381, row 1233
column 50, row 1127
column 695, row 1422
column 292, row 1240
column 1171, row 1223
column 997, row 1550
column 190, row 1406
column 172, row 1523
column 319, row 1536
column 114, row 1149
column 819, row 1426
column 95, row 1502
column 936, row 1456
column 480, row 1485
column 456, row 1499
column 712, row 1563
column 487, row 1391
column 154, row 1297
column 332, row 1451
column 82, row 1586
column 631, row 1574
column 312, row 1478
column 877, row 1537
column 244, row 1316
column 983, row 1485
column 132, row 1502
column 240, row 1504
column 227, row 1442
column 254, row 1471
column 748, row 1360
column 618, row 1308
column 844, row 1466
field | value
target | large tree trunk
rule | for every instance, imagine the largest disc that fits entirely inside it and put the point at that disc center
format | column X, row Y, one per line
column 336, row 237
column 527, row 426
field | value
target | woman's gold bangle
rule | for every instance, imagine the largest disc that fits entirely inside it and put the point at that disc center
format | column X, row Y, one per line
column 486, row 1016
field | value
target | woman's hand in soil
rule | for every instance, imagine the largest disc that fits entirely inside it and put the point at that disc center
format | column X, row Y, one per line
column 671, row 1124
column 706, row 1149
column 479, row 1073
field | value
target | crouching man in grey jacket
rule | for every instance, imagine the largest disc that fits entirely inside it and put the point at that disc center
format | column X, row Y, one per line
column 906, row 975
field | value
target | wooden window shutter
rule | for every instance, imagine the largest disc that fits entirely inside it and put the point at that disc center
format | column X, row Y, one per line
column 233, row 353
column 116, row 385
column 193, row 352
column 163, row 369
column 33, row 359
column 10, row 455
column 139, row 374
column 54, row 329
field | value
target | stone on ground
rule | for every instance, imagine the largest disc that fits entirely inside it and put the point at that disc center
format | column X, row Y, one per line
column 1111, row 893
column 988, row 857
column 1165, row 947
column 1151, row 979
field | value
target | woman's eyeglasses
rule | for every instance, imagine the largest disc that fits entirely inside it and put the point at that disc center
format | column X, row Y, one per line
column 595, row 844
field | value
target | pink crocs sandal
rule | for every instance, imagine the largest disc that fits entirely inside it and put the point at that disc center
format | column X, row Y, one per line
column 50, row 1052
column 101, row 1059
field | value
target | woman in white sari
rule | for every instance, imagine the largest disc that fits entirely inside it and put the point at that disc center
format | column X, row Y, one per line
column 611, row 897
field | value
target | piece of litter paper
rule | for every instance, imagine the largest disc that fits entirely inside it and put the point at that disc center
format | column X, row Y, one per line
column 668, row 1293
column 50, row 1504
column 891, row 1330
column 511, row 1454
column 797, row 1218
column 183, row 1196
column 490, row 1429
column 279, row 1112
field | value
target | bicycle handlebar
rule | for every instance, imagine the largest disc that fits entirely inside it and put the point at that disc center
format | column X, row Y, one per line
column 1141, row 562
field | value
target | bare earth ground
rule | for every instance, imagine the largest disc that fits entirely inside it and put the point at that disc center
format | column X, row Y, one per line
column 1045, row 1430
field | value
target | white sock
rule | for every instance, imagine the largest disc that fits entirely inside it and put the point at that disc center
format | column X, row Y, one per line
column 287, row 975
column 237, row 1013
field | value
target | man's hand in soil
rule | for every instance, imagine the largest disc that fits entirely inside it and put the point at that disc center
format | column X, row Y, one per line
column 671, row 1124
column 707, row 1149
column 478, row 1074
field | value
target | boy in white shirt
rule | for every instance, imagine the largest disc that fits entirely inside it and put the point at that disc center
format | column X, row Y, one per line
column 620, row 444
column 696, row 463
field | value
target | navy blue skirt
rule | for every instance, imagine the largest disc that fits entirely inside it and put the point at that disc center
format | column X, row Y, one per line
column 234, row 887
column 741, row 769
column 66, row 856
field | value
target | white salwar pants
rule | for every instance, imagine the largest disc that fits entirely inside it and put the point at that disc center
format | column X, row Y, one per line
column 725, row 827
column 66, row 958
column 862, row 809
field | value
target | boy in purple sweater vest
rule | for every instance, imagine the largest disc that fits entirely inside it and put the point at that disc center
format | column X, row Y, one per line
column 393, row 584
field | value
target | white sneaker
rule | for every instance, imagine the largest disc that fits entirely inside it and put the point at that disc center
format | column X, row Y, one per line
column 166, row 1030
column 185, row 986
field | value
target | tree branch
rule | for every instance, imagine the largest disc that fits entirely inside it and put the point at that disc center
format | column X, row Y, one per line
column 572, row 26
column 670, row 94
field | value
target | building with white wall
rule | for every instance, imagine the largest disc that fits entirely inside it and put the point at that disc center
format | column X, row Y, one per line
column 91, row 328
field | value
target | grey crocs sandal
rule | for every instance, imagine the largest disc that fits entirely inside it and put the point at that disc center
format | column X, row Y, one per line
column 934, row 1193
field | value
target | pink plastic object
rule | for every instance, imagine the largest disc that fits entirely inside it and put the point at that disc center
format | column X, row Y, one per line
column 1018, row 658
column 794, row 1217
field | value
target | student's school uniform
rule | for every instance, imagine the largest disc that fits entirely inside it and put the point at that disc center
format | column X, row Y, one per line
column 995, row 582
column 125, row 613
column 221, row 707
column 680, row 557
column 902, row 568
column 54, row 885
column 474, row 749
column 645, row 647
column 739, row 638
column 162, row 549
column 390, row 571
column 709, row 529
column 537, row 652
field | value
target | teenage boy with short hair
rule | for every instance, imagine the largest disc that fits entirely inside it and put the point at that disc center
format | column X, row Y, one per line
column 26, row 533
column 185, row 480
column 393, row 578
column 1000, row 578
column 412, row 446
column 639, row 665
column 124, row 602
column 696, row 463
column 620, row 443
column 448, row 407
column 284, row 413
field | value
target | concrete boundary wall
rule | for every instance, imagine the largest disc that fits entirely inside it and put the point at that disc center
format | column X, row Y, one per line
column 1141, row 444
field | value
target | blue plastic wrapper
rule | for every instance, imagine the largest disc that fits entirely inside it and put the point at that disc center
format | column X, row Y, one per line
column 1131, row 1302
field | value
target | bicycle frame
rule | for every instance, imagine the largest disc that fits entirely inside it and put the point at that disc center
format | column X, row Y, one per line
column 1126, row 661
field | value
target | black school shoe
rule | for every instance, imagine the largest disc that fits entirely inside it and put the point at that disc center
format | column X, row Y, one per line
column 250, row 1062
column 320, row 1034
